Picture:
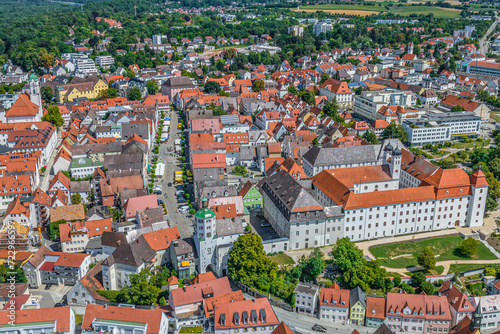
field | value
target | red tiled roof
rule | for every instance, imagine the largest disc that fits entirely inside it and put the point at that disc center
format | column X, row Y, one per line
column 60, row 315
column 151, row 318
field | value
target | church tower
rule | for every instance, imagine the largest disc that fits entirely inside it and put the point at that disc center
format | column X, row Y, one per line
column 35, row 93
column 410, row 48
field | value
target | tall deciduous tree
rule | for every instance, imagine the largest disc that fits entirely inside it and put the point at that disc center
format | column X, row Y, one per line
column 53, row 116
column 142, row 289
column 426, row 259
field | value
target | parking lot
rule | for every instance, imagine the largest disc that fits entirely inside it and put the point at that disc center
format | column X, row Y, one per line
column 262, row 226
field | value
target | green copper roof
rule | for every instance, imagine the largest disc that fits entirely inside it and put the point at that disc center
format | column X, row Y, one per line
column 33, row 76
column 204, row 214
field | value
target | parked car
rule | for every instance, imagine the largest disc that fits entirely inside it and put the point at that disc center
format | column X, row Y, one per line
column 319, row 328
column 160, row 202
column 48, row 286
column 170, row 184
column 181, row 200
column 265, row 225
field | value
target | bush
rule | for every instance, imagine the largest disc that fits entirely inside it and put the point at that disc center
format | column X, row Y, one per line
column 469, row 247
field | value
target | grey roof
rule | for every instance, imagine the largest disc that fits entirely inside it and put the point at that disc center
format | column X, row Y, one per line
column 383, row 329
column 333, row 211
column 292, row 197
column 183, row 246
column 247, row 153
column 317, row 156
column 135, row 147
column 307, row 289
column 124, row 195
column 219, row 191
column 229, row 119
column 113, row 239
column 100, row 210
column 357, row 294
column 131, row 254
column 150, row 216
column 79, row 186
column 122, row 161
column 96, row 148
column 229, row 226
column 179, row 82
column 94, row 243
column 129, row 129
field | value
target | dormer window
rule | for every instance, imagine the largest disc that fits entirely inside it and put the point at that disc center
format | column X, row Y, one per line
column 342, row 303
column 325, row 301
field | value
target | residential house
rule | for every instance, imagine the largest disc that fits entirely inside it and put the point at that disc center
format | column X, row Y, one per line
column 252, row 198
column 357, row 306
column 460, row 306
column 375, row 312
column 334, row 305
column 59, row 320
column 306, row 298
column 123, row 319
column 64, row 268
column 256, row 314
column 126, row 259
column 420, row 313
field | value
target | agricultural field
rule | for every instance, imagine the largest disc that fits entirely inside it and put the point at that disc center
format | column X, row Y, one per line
column 404, row 254
column 446, row 13
column 364, row 10
column 361, row 10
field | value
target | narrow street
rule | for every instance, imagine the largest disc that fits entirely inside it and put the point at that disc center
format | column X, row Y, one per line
column 172, row 163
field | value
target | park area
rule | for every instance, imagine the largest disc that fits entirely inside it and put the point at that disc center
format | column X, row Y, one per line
column 364, row 10
column 404, row 254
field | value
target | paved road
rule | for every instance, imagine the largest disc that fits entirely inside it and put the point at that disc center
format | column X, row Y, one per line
column 44, row 182
column 172, row 163
column 303, row 323
column 484, row 42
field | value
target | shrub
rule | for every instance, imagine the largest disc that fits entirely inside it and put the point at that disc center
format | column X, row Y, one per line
column 469, row 247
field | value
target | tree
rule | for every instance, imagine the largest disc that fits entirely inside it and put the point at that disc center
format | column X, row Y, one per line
column 331, row 109
column 395, row 131
column 248, row 262
column 152, row 87
column 53, row 116
column 469, row 247
column 457, row 108
column 324, row 77
column 426, row 259
column 134, row 94
column 347, row 255
column 54, row 228
column 428, row 288
column 240, row 170
column 47, row 94
column 76, row 198
column 315, row 141
column 112, row 93
column 313, row 265
column 142, row 290
column 230, row 53
column 91, row 196
column 211, row 87
column 293, row 90
column 370, row 137
column 258, row 85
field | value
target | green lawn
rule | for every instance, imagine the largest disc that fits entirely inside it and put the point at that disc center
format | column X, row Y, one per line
column 282, row 259
column 446, row 247
column 471, row 145
column 437, row 11
column 344, row 7
column 457, row 268
column 78, row 319
column 196, row 329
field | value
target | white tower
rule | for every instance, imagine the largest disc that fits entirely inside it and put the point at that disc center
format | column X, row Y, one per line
column 477, row 201
column 410, row 48
column 204, row 233
column 395, row 164
column 35, row 94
